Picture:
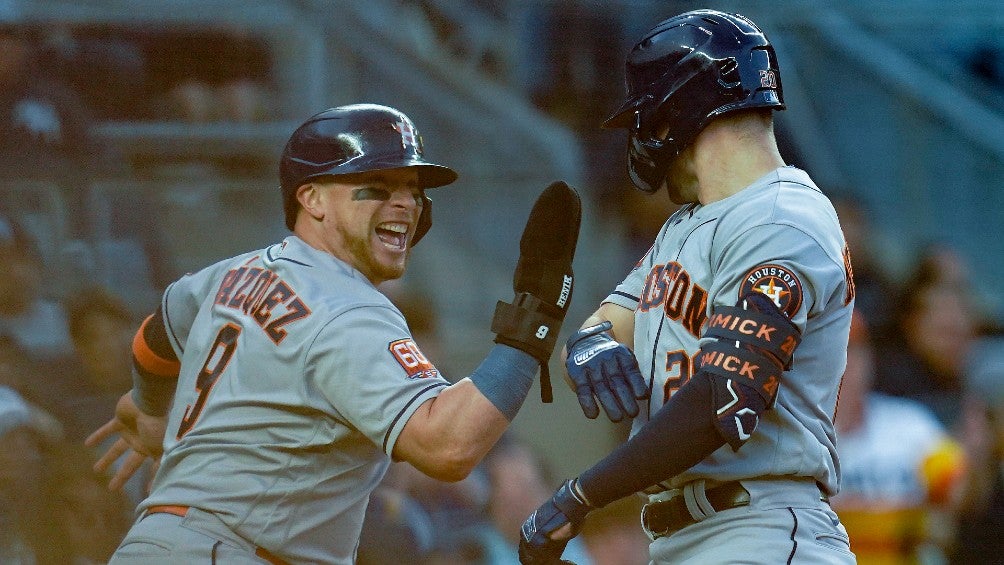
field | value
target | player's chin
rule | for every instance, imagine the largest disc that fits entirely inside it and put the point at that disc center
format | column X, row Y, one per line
column 390, row 260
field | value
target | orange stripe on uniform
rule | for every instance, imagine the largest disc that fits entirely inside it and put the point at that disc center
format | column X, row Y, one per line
column 148, row 360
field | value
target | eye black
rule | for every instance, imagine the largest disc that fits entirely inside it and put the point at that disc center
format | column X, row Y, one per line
column 370, row 193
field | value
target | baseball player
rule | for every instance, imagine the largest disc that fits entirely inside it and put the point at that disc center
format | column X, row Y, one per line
column 280, row 383
column 737, row 320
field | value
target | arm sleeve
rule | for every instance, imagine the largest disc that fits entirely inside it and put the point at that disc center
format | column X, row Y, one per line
column 683, row 427
column 155, row 366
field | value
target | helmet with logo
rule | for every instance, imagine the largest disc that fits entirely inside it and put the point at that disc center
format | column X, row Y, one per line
column 354, row 139
column 684, row 72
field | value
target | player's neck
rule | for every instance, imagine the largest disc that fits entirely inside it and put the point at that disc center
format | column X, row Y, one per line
column 728, row 159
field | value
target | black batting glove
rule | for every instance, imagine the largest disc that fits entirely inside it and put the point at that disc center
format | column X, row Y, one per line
column 605, row 370
column 543, row 279
column 566, row 506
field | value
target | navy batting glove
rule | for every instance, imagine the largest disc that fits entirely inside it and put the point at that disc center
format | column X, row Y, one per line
column 603, row 369
column 566, row 506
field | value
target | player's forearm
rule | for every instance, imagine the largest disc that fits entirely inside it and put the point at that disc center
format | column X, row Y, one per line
column 450, row 434
column 682, row 432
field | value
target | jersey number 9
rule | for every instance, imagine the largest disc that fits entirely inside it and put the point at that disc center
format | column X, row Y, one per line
column 219, row 357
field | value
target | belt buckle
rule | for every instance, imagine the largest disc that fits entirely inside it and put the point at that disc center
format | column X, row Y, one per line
column 661, row 498
column 652, row 534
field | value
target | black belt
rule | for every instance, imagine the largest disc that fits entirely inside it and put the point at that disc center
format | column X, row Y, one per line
column 665, row 517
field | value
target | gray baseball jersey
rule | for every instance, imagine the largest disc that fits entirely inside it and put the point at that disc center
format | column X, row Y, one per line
column 779, row 236
column 297, row 376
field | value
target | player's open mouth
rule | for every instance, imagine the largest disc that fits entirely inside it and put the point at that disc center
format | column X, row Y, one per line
column 394, row 235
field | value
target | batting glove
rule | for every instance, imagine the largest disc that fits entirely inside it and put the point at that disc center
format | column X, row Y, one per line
column 543, row 279
column 566, row 506
column 603, row 369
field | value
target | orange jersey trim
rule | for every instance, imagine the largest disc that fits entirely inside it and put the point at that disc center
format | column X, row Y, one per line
column 147, row 360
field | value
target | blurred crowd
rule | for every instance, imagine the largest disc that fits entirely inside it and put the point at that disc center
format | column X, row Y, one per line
column 920, row 419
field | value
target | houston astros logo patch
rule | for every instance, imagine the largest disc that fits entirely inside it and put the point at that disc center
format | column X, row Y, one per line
column 778, row 283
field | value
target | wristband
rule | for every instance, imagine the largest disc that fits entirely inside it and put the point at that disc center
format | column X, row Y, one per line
column 505, row 378
column 152, row 394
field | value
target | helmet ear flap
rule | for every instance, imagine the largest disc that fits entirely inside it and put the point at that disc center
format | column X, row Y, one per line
column 424, row 220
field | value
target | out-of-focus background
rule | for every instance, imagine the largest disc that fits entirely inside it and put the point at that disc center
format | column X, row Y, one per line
column 140, row 141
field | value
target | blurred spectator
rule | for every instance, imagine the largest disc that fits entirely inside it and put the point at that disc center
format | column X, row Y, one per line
column 45, row 125
column 520, row 482
column 28, row 533
column 103, row 65
column 92, row 519
column 142, row 73
column 102, row 328
column 567, row 48
column 473, row 522
column 430, row 519
column 873, row 284
column 37, row 323
column 53, row 508
column 397, row 529
column 43, row 122
column 219, row 75
column 936, row 326
column 980, row 535
column 17, row 372
column 36, row 350
column 901, row 471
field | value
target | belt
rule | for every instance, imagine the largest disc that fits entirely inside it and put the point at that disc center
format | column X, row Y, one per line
column 183, row 511
column 662, row 518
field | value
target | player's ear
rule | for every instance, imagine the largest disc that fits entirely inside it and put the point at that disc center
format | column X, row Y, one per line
column 311, row 199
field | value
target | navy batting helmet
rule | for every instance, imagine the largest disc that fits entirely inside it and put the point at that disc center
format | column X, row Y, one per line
column 354, row 139
column 685, row 71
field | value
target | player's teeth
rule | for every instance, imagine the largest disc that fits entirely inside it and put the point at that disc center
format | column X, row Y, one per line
column 399, row 228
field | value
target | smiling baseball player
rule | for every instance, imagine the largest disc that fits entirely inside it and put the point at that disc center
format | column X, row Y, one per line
column 289, row 381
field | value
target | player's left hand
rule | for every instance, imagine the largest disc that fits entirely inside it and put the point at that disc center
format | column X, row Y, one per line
column 543, row 279
column 605, row 370
column 140, row 434
column 547, row 531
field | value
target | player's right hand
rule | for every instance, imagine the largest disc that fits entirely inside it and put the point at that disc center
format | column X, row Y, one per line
column 546, row 532
column 604, row 370
column 140, row 434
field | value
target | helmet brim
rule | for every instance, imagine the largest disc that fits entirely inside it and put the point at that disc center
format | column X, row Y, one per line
column 430, row 175
column 623, row 117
